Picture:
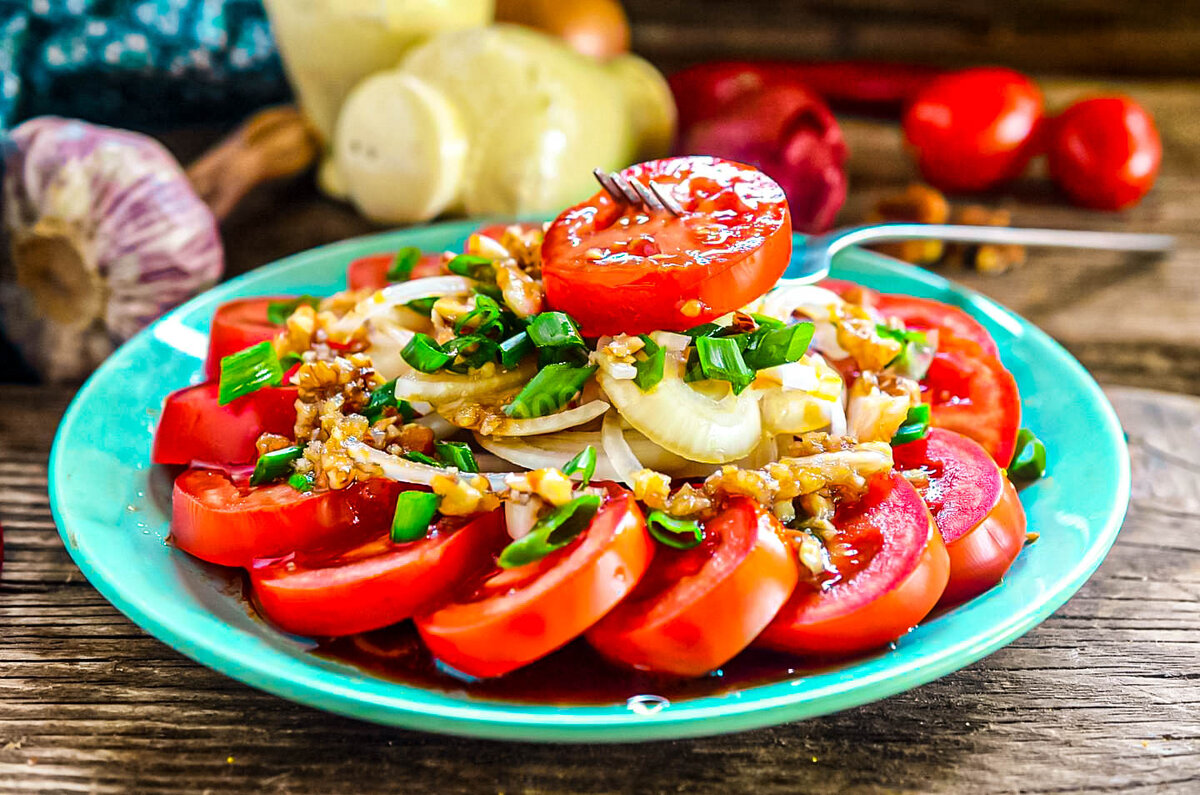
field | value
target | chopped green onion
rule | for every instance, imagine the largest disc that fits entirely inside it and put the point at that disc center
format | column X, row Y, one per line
column 552, row 532
column 248, row 370
column 414, row 512
column 473, row 267
column 288, row 360
column 424, row 354
column 484, row 318
column 490, row 290
column 301, row 481
column 457, row 454
column 900, row 334
column 1029, row 460
column 584, row 463
column 692, row 371
column 674, row 532
column 765, row 321
column 770, row 347
column 402, row 266
column 422, row 306
column 475, row 350
column 567, row 354
column 279, row 311
column 721, row 360
column 421, row 458
column 514, row 349
column 915, row 426
column 383, row 398
column 549, row 390
column 275, row 465
column 649, row 369
column 703, row 330
column 554, row 330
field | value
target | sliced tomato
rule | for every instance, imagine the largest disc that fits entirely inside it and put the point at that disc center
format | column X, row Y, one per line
column 376, row 583
column 232, row 524
column 194, row 427
column 891, row 570
column 237, row 325
column 851, row 291
column 969, row 391
column 519, row 615
column 922, row 314
column 616, row 269
column 695, row 609
column 370, row 272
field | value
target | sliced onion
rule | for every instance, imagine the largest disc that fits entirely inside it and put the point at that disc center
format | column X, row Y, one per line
column 792, row 411
column 441, row 427
column 446, row 388
column 618, row 451
column 384, row 343
column 402, row 470
column 560, row 421
column 381, row 303
column 671, row 341
column 623, row 371
column 519, row 517
column 556, row 449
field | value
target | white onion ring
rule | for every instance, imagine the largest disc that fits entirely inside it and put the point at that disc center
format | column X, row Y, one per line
column 559, row 421
column 402, row 470
column 618, row 451
column 556, row 449
column 382, row 302
column 446, row 388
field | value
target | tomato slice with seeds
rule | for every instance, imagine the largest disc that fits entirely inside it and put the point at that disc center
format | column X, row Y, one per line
column 376, row 583
column 370, row 272
column 618, row 269
column 891, row 568
column 970, row 391
column 519, row 615
column 237, row 325
column 697, row 608
column 196, row 428
column 922, row 314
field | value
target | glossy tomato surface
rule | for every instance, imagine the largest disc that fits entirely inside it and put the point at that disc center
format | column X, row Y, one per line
column 697, row 608
column 195, row 427
column 370, row 273
column 969, row 391
column 922, row 314
column 616, row 269
column 1105, row 152
column 376, row 583
column 232, row 524
column 891, row 570
column 522, row 614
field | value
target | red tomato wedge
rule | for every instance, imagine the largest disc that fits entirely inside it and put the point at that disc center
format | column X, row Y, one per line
column 237, row 325
column 970, row 391
column 695, row 609
column 616, row 269
column 922, row 314
column 224, row 522
column 376, row 583
column 519, row 615
column 194, row 427
column 370, row 272
column 892, row 568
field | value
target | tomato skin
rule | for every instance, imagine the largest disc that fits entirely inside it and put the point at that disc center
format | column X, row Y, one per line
column 696, row 609
column 221, row 522
column 370, row 272
column 625, row 290
column 981, row 558
column 237, row 325
column 874, row 606
column 376, row 583
column 1105, row 152
column 971, row 392
column 975, row 129
column 923, row 314
column 851, row 291
column 520, row 615
column 194, row 427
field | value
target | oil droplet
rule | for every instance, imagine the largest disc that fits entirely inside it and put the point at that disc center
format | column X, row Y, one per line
column 646, row 704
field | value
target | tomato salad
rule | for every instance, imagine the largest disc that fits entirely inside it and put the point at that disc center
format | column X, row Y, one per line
column 614, row 429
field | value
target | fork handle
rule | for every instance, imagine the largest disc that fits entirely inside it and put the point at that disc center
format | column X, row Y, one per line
column 1061, row 238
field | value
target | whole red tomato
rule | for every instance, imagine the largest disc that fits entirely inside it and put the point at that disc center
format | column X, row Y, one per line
column 975, row 129
column 1105, row 152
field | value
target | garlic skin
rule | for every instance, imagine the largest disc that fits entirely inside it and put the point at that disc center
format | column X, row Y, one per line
column 105, row 234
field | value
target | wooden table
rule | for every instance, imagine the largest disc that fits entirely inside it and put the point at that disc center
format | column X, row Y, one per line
column 1105, row 695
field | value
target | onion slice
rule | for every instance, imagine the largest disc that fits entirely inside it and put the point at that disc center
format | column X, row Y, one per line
column 382, row 302
column 556, row 449
column 445, row 388
column 560, row 421
column 402, row 470
column 618, row 451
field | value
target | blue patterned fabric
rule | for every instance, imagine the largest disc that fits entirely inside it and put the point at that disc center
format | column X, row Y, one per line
column 136, row 63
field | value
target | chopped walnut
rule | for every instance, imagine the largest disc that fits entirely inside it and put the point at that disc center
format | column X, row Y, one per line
column 818, row 442
column 331, row 464
column 845, row 472
column 521, row 292
column 352, row 377
column 652, row 488
column 270, row 442
column 465, row 495
column 858, row 335
column 689, row 501
column 525, row 246
column 919, row 204
column 393, row 435
column 487, row 420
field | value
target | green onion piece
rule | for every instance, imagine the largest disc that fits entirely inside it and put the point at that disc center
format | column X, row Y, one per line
column 514, row 349
column 490, row 290
column 584, row 463
column 424, row 354
column 421, row 458
column 275, row 465
column 457, row 454
column 1029, row 461
column 484, row 318
column 692, row 371
column 899, row 334
column 649, row 367
column 915, row 426
column 673, row 532
column 552, row 532
column 770, row 347
column 569, row 355
column 473, row 267
column 248, row 370
column 384, row 397
column 703, row 330
column 279, row 311
column 548, row 391
column 473, row 349
column 765, row 321
column 288, row 360
column 414, row 512
column 301, row 481
column 721, row 360
column 554, row 330
column 402, row 266
column 422, row 306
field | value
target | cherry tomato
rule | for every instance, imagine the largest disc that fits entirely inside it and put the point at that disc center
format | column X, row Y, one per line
column 519, row 615
column 370, row 272
column 891, row 570
column 376, row 583
column 1105, row 152
column 616, row 269
column 224, row 522
column 969, row 391
column 975, row 129
column 922, row 314
column 237, row 325
column 194, row 427
column 695, row 609
column 974, row 506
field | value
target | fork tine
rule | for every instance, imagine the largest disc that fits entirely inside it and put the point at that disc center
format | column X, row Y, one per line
column 631, row 195
column 609, row 186
column 667, row 200
column 650, row 199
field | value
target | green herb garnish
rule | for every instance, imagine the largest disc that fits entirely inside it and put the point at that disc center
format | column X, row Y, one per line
column 549, row 390
column 915, row 426
column 552, row 532
column 473, row 267
column 402, row 266
column 457, row 454
column 1029, row 460
column 424, row 354
column 414, row 513
column 248, row 370
column 674, row 532
column 720, row 359
column 275, row 465
column 584, row 463
column 771, row 347
column 279, row 311
column 649, row 363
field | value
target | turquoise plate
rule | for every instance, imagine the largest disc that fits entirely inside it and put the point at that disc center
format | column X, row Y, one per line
column 112, row 509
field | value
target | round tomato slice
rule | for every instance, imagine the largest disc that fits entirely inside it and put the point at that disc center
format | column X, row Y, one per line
column 519, row 615
column 891, row 570
column 974, row 506
column 695, row 609
column 376, row 583
column 194, row 427
column 922, row 314
column 618, row 269
column 969, row 391
column 370, row 272
column 224, row 522
column 237, row 325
